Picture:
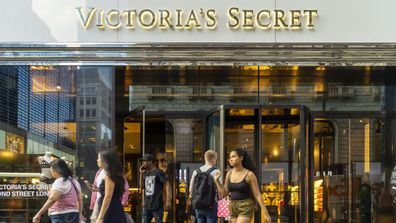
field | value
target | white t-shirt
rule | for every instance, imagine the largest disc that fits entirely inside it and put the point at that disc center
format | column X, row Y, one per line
column 64, row 187
column 205, row 168
column 99, row 180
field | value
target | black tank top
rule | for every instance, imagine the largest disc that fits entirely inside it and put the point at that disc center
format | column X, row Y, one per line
column 239, row 191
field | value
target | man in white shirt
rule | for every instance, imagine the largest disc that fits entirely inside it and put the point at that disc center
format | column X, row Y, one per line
column 208, row 215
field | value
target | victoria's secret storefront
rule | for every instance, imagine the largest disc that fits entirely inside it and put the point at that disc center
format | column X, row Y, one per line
column 283, row 81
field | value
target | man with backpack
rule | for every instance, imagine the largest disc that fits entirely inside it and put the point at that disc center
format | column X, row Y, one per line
column 203, row 190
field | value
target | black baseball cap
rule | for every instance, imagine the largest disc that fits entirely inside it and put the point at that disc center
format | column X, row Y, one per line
column 147, row 157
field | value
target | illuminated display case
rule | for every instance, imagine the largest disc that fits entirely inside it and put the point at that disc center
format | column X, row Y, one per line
column 318, row 195
column 278, row 195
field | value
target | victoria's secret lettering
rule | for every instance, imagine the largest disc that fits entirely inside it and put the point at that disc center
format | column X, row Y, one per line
column 238, row 19
column 266, row 19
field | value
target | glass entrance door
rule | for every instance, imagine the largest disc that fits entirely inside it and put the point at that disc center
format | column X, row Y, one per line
column 133, row 148
column 280, row 159
column 280, row 140
column 176, row 143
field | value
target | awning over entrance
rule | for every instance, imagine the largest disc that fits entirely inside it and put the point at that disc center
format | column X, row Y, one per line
column 216, row 54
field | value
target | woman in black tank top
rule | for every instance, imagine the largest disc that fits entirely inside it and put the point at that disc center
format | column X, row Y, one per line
column 242, row 185
column 240, row 190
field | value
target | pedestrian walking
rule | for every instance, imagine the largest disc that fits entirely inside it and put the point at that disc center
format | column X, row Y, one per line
column 241, row 182
column 64, row 203
column 111, row 189
column 154, row 181
column 94, row 188
column 203, row 192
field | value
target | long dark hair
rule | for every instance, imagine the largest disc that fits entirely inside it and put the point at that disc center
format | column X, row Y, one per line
column 62, row 168
column 113, row 167
column 247, row 161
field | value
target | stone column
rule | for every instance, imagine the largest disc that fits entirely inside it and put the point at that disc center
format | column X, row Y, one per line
column 184, row 139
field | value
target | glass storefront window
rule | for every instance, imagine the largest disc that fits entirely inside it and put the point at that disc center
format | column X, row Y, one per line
column 74, row 112
column 214, row 131
column 2, row 140
column 38, row 119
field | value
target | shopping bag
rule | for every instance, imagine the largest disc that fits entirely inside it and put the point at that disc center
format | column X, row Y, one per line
column 223, row 210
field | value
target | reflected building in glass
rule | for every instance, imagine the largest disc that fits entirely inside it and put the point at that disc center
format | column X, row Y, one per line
column 94, row 109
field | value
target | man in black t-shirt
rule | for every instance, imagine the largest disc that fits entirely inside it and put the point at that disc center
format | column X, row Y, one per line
column 153, row 181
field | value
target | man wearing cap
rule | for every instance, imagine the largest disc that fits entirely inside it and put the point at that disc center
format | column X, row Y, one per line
column 154, row 181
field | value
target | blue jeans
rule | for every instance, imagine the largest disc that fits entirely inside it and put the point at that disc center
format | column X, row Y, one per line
column 158, row 214
column 207, row 215
column 73, row 217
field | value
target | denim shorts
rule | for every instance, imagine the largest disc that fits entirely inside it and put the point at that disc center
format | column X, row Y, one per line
column 72, row 217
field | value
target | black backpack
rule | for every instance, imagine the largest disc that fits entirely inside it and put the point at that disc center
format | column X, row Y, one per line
column 204, row 189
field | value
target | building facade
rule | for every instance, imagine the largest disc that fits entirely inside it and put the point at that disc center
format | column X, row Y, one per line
column 306, row 87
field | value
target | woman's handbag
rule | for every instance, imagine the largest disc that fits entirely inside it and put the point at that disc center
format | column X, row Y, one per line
column 223, row 209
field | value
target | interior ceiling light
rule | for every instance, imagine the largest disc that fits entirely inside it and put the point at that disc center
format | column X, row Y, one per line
column 265, row 67
column 41, row 67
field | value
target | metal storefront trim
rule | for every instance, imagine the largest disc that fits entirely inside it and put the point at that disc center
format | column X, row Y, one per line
column 208, row 54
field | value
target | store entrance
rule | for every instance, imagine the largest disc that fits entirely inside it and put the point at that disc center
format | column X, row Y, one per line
column 176, row 142
column 280, row 140
column 278, row 137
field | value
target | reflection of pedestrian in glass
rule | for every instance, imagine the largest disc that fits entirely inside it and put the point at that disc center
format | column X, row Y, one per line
column 364, row 199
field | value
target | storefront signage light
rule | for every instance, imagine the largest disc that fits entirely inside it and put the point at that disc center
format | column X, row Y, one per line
column 238, row 19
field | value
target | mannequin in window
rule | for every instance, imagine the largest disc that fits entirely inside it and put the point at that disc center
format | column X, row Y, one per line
column 44, row 162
